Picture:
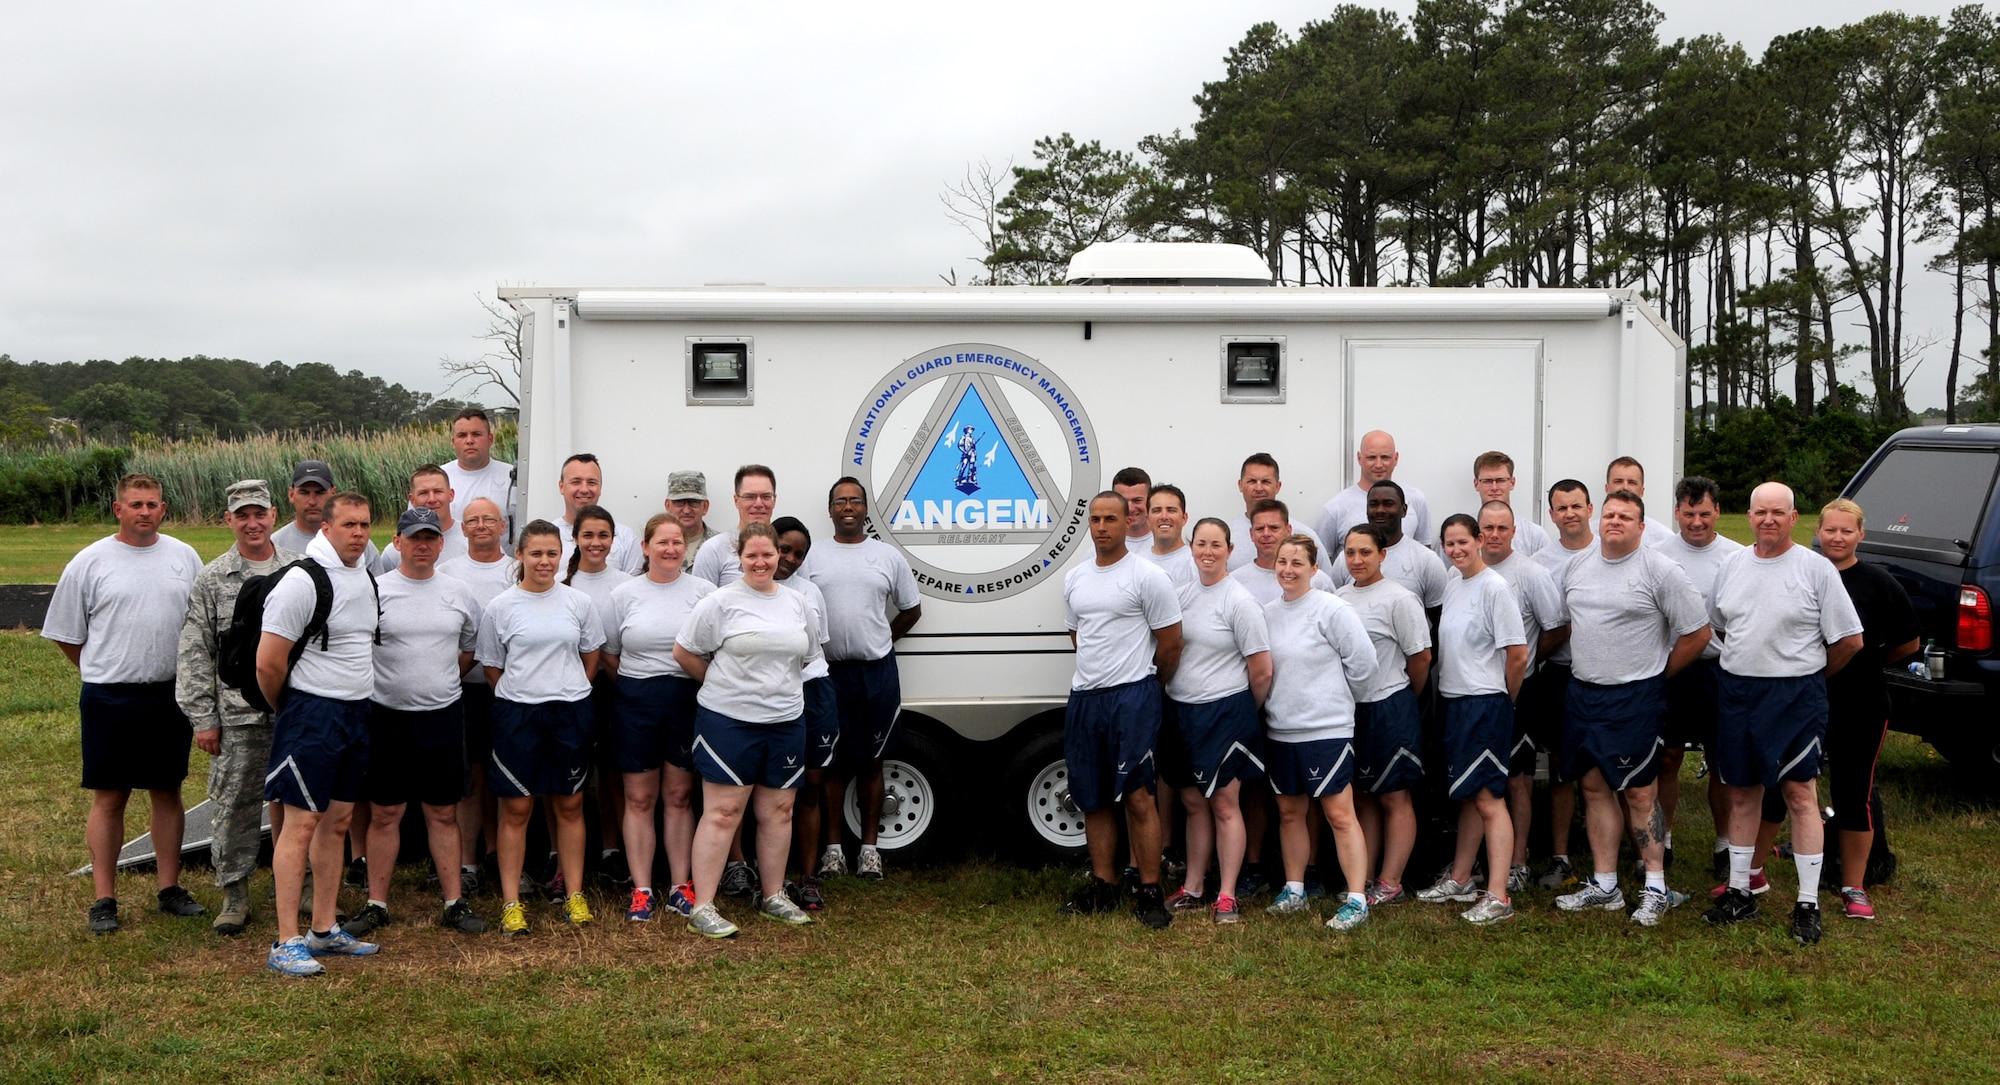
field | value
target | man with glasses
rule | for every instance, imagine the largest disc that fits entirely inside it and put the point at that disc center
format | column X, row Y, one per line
column 1493, row 480
column 687, row 499
column 756, row 495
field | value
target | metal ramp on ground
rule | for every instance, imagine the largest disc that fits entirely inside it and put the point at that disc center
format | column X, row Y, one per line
column 196, row 836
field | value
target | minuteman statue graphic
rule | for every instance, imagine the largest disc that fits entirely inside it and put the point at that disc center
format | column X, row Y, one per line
column 968, row 461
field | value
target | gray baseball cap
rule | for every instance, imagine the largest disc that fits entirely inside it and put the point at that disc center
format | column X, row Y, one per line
column 251, row 492
column 312, row 471
column 687, row 486
column 415, row 520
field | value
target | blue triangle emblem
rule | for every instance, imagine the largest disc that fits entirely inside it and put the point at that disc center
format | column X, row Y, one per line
column 970, row 457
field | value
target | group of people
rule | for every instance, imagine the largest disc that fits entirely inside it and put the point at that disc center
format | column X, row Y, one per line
column 1366, row 658
column 475, row 668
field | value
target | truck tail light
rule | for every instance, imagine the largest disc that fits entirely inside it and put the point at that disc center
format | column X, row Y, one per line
column 1975, row 621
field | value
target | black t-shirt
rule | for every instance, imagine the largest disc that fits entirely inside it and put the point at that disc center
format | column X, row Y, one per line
column 1887, row 620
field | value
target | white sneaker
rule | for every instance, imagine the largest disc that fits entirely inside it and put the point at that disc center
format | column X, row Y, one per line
column 1447, row 891
column 1653, row 907
column 868, row 864
column 781, row 908
column 832, row 863
column 1592, row 896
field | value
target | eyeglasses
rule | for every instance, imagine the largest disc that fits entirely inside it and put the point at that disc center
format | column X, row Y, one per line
column 767, row 496
column 846, row 502
column 1494, row 480
column 481, row 520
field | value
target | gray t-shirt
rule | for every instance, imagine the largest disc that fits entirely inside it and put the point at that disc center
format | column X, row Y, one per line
column 1700, row 563
column 1414, row 566
column 1480, row 621
column 645, row 619
column 716, row 561
column 1777, row 615
column 626, row 554
column 599, row 586
column 495, row 482
column 1396, row 625
column 289, row 537
column 1177, row 564
column 759, row 644
column 1320, row 657
column 1556, row 560
column 345, row 669
column 1221, row 627
column 425, row 625
column 1263, row 586
column 1113, row 610
column 125, row 605
column 1626, row 613
column 1541, row 604
column 1243, row 551
column 864, row 584
column 815, row 668
column 452, row 548
column 486, row 579
column 1350, row 507
column 537, row 640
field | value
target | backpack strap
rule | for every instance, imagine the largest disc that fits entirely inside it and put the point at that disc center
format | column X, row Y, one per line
column 377, row 585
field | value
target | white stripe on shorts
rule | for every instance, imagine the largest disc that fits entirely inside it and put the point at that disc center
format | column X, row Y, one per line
column 290, row 763
column 1787, row 767
column 701, row 743
column 1484, row 755
column 1346, row 752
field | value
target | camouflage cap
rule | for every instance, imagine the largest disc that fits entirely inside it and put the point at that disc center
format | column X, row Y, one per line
column 249, row 492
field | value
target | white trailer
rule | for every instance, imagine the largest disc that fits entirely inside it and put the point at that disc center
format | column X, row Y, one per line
column 1060, row 387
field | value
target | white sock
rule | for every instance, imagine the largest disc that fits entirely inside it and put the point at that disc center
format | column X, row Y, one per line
column 1721, row 844
column 1809, row 875
column 866, row 848
column 1296, row 887
column 1563, row 859
column 451, row 902
column 1606, row 880
column 468, row 869
column 384, row 905
column 1357, row 898
column 1670, row 838
column 1656, row 880
column 1739, row 866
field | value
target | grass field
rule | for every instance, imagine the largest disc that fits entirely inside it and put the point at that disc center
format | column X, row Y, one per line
column 965, row 972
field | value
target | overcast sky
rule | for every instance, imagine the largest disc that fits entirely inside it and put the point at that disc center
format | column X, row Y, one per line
column 335, row 183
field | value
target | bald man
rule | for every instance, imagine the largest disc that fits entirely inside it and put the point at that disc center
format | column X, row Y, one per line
column 1377, row 457
column 1786, row 623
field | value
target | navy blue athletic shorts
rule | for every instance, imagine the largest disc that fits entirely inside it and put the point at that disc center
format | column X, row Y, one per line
column 822, row 720
column 539, row 749
column 655, row 723
column 1615, row 730
column 868, row 694
column 730, row 751
column 1478, row 731
column 1211, row 744
column 1539, row 718
column 1768, row 729
column 134, row 736
column 1317, row 769
column 319, row 752
column 1108, row 739
column 475, row 699
column 1691, row 701
column 416, row 756
column 1388, row 743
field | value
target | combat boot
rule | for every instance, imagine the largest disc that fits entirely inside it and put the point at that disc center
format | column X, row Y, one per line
column 235, row 913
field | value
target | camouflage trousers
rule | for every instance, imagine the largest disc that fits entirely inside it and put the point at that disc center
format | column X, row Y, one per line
column 236, row 786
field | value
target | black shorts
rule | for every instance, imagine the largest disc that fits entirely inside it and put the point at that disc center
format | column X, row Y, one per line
column 1544, row 700
column 319, row 752
column 476, row 701
column 417, row 756
column 134, row 736
column 1691, row 699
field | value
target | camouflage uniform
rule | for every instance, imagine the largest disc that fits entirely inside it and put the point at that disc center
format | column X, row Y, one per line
column 236, row 774
column 694, row 544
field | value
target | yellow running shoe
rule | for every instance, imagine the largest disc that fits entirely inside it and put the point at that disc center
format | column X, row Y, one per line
column 577, row 910
column 513, row 918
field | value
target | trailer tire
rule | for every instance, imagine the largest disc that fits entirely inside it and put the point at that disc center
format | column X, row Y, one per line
column 1043, row 826
column 918, row 817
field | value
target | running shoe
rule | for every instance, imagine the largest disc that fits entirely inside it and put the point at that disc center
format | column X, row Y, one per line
column 1314, row 888
column 1184, row 901
column 736, row 880
column 1733, row 906
column 708, row 923
column 832, row 862
column 357, row 873
column 1151, row 909
column 1854, row 904
column 1759, row 885
column 1290, row 902
column 556, row 890
column 577, row 911
column 1448, row 891
column 1093, row 897
column 513, row 918
column 641, row 908
column 810, row 897
column 1487, row 910
column 468, row 881
column 1805, row 923
column 460, row 917
column 1128, row 881
column 338, row 943
column 366, row 920
column 1654, row 904
column 1559, row 875
column 104, row 915
column 1382, row 893
column 1517, row 879
column 1251, row 882
column 1226, row 911
column 780, row 907
column 291, row 958
column 868, row 864
column 1593, row 895
column 1352, row 914
column 682, row 898
column 177, row 901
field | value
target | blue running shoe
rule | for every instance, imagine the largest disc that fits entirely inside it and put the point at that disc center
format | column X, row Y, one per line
column 1352, row 914
column 641, row 910
column 291, row 958
column 1289, row 902
column 338, row 944
column 682, row 898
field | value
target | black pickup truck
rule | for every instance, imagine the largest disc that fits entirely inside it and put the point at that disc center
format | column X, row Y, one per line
column 1933, row 524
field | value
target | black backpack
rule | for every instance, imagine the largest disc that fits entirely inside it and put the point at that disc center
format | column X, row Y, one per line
column 236, row 654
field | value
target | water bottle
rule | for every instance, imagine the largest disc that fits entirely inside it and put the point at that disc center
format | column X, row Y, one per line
column 1934, row 661
column 1919, row 670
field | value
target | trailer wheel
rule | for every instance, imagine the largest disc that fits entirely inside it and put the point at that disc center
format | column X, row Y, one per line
column 915, row 820
column 1045, row 826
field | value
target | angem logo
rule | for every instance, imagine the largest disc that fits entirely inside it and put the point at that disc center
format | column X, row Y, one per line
column 982, row 464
